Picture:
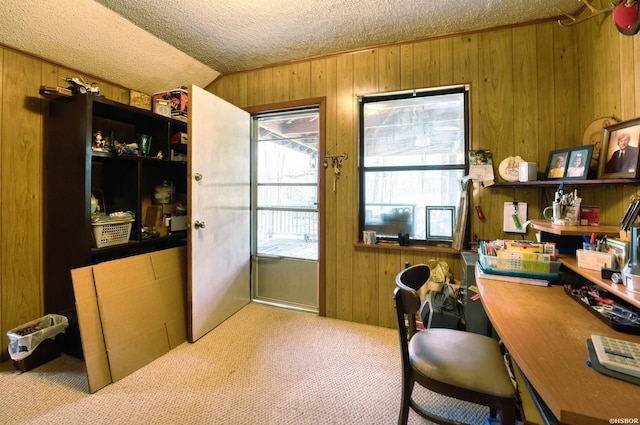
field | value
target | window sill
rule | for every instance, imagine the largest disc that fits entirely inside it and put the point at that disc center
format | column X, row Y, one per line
column 412, row 247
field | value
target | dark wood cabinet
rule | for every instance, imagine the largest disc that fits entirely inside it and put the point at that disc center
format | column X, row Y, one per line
column 73, row 171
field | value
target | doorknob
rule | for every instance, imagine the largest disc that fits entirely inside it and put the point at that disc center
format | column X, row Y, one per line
column 199, row 224
column 198, row 177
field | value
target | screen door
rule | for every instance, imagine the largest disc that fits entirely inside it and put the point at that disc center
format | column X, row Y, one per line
column 285, row 208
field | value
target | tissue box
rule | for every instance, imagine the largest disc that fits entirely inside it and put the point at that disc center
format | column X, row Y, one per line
column 595, row 260
column 181, row 138
column 589, row 215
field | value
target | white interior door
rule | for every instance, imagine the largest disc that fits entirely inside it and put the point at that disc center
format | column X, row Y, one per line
column 218, row 198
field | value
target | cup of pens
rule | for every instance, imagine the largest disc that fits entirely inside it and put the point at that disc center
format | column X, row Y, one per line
column 565, row 210
column 593, row 242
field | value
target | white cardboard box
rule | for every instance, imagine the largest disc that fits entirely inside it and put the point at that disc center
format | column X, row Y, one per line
column 595, row 260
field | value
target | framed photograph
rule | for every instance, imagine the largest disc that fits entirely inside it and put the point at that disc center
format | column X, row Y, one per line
column 440, row 223
column 619, row 154
column 578, row 165
column 557, row 165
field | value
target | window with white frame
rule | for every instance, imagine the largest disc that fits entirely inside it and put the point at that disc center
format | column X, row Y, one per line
column 412, row 159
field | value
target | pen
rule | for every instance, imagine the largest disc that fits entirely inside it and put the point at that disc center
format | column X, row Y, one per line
column 593, row 238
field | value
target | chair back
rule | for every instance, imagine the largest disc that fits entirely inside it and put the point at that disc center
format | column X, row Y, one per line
column 407, row 303
column 414, row 277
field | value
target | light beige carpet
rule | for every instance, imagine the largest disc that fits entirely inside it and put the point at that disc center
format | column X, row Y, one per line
column 264, row 365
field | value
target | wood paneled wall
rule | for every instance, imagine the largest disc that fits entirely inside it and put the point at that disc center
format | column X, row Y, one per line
column 534, row 88
column 21, row 171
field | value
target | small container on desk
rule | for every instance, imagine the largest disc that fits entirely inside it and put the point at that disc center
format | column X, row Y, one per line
column 591, row 259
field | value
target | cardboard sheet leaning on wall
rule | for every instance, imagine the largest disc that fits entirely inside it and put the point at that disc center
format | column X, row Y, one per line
column 130, row 312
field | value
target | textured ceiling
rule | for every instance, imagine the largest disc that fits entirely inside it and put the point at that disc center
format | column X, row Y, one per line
column 86, row 36
column 244, row 34
column 154, row 45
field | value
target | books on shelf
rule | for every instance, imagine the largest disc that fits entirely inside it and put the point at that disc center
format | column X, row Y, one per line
column 619, row 248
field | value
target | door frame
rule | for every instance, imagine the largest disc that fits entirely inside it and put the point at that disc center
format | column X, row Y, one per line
column 316, row 102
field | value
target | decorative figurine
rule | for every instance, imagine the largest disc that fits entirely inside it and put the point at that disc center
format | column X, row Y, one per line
column 98, row 143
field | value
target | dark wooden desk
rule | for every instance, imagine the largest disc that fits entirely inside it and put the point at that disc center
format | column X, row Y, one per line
column 545, row 332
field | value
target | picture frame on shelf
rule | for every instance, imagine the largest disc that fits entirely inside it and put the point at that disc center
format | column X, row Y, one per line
column 619, row 154
column 578, row 164
column 459, row 233
column 440, row 223
column 557, row 164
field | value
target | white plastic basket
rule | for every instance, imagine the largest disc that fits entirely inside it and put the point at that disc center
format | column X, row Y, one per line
column 111, row 233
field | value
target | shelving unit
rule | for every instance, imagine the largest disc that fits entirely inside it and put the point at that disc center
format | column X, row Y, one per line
column 568, row 182
column 571, row 263
column 602, row 229
column 74, row 171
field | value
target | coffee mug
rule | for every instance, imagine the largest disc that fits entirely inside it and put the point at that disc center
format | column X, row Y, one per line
column 562, row 215
column 552, row 213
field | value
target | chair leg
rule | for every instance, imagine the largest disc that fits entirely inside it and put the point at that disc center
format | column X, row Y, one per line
column 405, row 404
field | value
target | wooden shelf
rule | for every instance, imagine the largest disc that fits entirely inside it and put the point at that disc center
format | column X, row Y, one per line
column 602, row 229
column 595, row 276
column 73, row 171
column 571, row 263
column 396, row 246
column 568, row 182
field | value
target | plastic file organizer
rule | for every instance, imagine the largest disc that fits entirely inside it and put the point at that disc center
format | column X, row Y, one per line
column 516, row 263
column 519, row 259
